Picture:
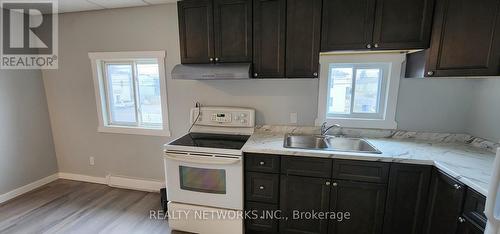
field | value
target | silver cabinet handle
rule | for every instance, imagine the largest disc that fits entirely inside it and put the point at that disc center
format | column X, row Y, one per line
column 457, row 186
column 255, row 74
column 211, row 59
column 315, row 74
column 262, row 163
column 430, row 73
column 461, row 220
column 376, row 45
column 335, row 184
column 216, row 59
column 369, row 46
column 261, row 187
column 327, row 183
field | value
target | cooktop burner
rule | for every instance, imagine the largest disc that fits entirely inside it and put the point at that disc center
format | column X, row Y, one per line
column 210, row 140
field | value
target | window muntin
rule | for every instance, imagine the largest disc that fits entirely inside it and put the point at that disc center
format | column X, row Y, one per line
column 357, row 90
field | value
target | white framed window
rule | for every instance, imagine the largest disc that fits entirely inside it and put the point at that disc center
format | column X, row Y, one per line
column 359, row 90
column 131, row 92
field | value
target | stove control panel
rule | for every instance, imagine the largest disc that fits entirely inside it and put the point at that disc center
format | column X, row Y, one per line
column 223, row 117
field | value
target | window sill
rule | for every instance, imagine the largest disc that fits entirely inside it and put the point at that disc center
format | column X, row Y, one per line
column 363, row 123
column 134, row 131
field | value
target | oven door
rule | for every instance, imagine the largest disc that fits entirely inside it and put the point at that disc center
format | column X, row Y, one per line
column 205, row 179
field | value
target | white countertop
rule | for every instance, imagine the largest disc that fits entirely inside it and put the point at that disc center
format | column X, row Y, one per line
column 471, row 165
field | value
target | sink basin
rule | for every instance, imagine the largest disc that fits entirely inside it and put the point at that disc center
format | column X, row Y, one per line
column 330, row 143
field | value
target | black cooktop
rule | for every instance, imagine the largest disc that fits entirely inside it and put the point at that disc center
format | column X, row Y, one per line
column 209, row 140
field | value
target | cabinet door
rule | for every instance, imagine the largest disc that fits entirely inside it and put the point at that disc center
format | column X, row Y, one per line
column 195, row 31
column 465, row 38
column 445, row 204
column 406, row 198
column 364, row 201
column 269, row 28
column 303, row 194
column 403, row 24
column 347, row 25
column 259, row 223
column 303, row 38
column 468, row 226
column 233, row 30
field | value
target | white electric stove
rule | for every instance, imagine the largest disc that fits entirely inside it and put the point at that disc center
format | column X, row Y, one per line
column 204, row 171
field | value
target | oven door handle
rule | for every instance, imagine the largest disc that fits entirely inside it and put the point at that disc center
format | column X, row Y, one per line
column 202, row 159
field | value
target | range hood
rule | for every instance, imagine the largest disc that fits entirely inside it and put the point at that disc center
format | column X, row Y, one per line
column 220, row 71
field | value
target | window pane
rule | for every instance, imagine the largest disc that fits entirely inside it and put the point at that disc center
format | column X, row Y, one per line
column 340, row 91
column 149, row 93
column 366, row 94
column 121, row 93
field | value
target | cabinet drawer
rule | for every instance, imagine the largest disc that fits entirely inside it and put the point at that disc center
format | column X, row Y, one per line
column 260, row 225
column 375, row 172
column 262, row 187
column 474, row 207
column 306, row 166
column 262, row 163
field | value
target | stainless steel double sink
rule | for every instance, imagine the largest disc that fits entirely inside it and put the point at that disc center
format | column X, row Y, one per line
column 329, row 143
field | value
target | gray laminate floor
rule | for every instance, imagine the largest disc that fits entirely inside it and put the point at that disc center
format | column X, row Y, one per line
column 65, row 206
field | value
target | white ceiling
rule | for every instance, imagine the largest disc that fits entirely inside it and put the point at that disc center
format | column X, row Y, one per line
column 90, row 5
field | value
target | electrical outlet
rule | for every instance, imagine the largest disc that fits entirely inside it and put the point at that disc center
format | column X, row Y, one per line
column 91, row 161
column 293, row 118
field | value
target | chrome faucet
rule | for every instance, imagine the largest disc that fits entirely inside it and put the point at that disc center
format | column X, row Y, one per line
column 325, row 129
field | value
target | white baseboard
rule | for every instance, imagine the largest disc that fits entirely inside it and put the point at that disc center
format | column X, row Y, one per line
column 26, row 188
column 110, row 180
column 118, row 181
column 134, row 183
column 83, row 178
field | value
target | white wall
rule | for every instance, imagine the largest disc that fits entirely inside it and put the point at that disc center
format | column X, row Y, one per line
column 431, row 105
column 26, row 147
column 485, row 111
column 73, row 109
column 435, row 105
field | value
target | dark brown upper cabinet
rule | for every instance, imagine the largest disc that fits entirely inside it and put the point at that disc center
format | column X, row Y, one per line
column 381, row 24
column 303, row 38
column 465, row 39
column 347, row 25
column 215, row 30
column 196, row 31
column 403, row 24
column 233, row 30
column 269, row 28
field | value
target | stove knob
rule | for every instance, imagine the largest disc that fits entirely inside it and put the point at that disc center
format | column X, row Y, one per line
column 243, row 115
column 243, row 121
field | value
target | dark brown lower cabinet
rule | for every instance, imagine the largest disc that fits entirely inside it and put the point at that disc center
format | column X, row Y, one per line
column 258, row 223
column 468, row 226
column 365, row 203
column 406, row 198
column 445, row 204
column 300, row 195
column 388, row 198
